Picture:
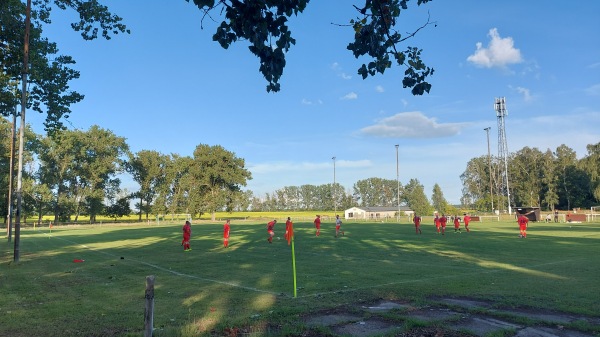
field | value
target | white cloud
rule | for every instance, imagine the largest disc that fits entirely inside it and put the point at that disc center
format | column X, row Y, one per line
column 349, row 96
column 523, row 91
column 500, row 52
column 278, row 167
column 339, row 71
column 309, row 102
column 594, row 90
column 411, row 125
column 594, row 65
column 379, row 88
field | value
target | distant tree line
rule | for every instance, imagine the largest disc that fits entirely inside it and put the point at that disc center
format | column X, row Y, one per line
column 70, row 173
column 550, row 179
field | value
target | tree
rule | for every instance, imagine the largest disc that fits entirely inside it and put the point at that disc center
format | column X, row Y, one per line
column 414, row 196
column 118, row 209
column 264, row 24
column 50, row 73
column 475, row 180
column 376, row 192
column 81, row 168
column 549, row 181
column 438, row 201
column 526, row 172
column 591, row 164
column 148, row 168
column 215, row 175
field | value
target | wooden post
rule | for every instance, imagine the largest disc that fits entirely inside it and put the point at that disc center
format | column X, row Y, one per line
column 149, row 313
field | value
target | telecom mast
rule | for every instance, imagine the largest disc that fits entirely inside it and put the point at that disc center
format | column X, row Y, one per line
column 500, row 107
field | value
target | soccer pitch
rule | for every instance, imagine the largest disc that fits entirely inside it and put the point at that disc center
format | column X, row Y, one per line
column 251, row 282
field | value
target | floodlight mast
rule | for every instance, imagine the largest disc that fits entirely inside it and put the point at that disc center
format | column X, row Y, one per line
column 500, row 107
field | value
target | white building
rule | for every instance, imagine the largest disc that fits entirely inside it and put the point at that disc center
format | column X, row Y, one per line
column 374, row 213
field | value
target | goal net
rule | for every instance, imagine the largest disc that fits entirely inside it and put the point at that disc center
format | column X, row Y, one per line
column 173, row 217
column 595, row 213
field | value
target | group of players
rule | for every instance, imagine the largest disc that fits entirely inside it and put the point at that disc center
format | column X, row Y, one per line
column 439, row 221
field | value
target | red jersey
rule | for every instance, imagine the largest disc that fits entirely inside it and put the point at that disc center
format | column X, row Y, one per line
column 187, row 230
column 456, row 222
column 443, row 221
column 270, row 226
column 317, row 222
column 466, row 220
column 417, row 221
column 523, row 221
column 436, row 221
column 226, row 229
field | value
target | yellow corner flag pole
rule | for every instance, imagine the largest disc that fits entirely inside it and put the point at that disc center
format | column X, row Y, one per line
column 294, row 267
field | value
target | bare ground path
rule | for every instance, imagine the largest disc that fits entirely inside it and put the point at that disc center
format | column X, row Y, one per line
column 449, row 317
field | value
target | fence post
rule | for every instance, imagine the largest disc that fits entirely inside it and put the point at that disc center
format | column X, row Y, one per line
column 149, row 313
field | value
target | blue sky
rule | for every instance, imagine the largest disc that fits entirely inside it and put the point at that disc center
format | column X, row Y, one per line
column 168, row 87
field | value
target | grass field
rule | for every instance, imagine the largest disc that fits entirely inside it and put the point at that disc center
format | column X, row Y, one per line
column 250, row 284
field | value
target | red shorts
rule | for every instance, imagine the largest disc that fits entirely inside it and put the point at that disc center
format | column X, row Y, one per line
column 271, row 233
column 523, row 227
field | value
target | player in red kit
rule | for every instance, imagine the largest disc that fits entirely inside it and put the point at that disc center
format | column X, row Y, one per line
column 456, row 224
column 187, row 234
column 226, row 229
column 271, row 230
column 338, row 226
column 523, row 220
column 437, row 223
column 417, row 221
column 466, row 220
column 443, row 221
column 318, row 224
column 289, row 230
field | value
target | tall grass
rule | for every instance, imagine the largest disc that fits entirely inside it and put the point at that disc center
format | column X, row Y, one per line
column 250, row 284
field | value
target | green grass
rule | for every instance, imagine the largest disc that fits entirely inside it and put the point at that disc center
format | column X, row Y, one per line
column 251, row 285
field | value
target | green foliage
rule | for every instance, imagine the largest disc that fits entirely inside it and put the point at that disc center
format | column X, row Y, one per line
column 377, row 192
column 119, row 209
column 550, row 179
column 415, row 198
column 439, row 203
column 49, row 73
column 81, row 167
column 263, row 23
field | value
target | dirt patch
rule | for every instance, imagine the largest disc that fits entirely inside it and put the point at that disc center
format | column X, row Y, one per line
column 549, row 332
column 465, row 303
column 365, row 328
column 386, row 306
column 450, row 317
column 331, row 319
column 433, row 314
column 482, row 325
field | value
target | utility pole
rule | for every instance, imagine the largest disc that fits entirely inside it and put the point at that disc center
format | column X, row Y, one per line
column 487, row 131
column 333, row 189
column 397, row 183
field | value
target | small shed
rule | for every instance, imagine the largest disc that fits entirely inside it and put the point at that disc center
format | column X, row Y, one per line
column 375, row 212
column 532, row 213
